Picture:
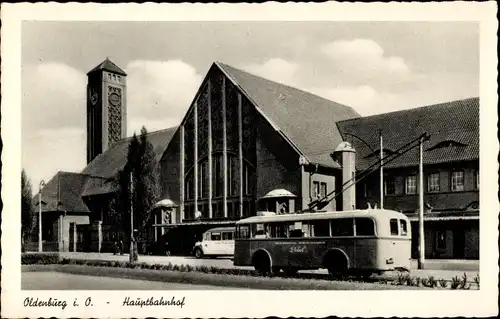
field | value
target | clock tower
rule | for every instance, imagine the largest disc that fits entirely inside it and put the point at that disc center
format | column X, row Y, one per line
column 106, row 107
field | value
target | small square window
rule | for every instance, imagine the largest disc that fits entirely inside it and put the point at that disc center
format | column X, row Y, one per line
column 457, row 181
column 315, row 190
column 323, row 190
column 390, row 185
column 411, row 184
column 433, row 182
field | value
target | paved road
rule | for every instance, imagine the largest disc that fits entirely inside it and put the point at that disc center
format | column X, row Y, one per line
column 441, row 267
column 61, row 281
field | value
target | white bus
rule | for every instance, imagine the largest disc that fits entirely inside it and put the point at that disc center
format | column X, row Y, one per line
column 360, row 242
column 215, row 242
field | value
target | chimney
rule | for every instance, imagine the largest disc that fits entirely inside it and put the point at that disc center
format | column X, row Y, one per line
column 345, row 154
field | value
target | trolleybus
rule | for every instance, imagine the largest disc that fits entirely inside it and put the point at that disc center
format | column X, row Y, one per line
column 360, row 242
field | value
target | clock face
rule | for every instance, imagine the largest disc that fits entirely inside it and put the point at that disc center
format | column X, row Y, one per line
column 93, row 98
column 114, row 99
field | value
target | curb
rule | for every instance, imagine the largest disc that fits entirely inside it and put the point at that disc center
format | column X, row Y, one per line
column 196, row 278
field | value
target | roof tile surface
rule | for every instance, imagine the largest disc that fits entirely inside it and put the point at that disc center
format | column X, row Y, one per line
column 306, row 119
column 456, row 121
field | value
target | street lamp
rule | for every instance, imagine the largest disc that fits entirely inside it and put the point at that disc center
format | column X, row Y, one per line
column 40, row 247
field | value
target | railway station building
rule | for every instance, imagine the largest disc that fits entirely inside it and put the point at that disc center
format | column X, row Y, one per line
column 248, row 144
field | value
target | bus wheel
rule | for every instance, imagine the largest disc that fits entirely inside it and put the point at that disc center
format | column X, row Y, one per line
column 337, row 264
column 198, row 253
column 291, row 271
column 262, row 263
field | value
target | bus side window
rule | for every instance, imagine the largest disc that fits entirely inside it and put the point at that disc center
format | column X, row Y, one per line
column 320, row 228
column 243, row 232
column 227, row 236
column 296, row 233
column 342, row 227
column 394, row 226
column 216, row 236
column 365, row 227
column 278, row 230
column 404, row 229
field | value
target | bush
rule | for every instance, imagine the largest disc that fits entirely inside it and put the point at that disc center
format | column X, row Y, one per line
column 476, row 280
column 40, row 258
column 455, row 282
column 443, row 283
column 463, row 283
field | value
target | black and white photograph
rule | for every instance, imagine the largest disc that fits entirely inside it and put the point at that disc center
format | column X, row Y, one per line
column 153, row 164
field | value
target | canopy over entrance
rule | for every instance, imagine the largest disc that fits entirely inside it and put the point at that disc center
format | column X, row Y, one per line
column 279, row 193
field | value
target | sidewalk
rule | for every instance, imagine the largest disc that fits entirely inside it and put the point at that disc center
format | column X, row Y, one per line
column 446, row 269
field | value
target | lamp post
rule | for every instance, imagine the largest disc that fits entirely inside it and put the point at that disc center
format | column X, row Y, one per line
column 421, row 243
column 381, row 171
column 40, row 246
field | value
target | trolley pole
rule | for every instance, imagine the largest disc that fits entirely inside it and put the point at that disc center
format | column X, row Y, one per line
column 421, row 240
column 381, row 171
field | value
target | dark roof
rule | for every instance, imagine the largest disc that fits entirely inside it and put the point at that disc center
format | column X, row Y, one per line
column 107, row 65
column 446, row 215
column 109, row 163
column 307, row 120
column 453, row 129
column 106, row 166
column 63, row 193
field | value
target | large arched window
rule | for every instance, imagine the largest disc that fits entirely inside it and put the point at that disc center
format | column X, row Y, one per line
column 233, row 208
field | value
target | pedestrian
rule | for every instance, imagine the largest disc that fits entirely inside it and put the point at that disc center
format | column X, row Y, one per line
column 167, row 249
column 121, row 247
column 115, row 248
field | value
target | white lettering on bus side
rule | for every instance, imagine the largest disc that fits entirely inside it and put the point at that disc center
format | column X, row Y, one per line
column 298, row 249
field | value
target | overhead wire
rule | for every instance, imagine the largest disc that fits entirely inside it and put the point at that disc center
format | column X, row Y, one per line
column 363, row 174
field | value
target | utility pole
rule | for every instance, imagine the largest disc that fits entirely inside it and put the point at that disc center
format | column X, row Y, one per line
column 421, row 241
column 40, row 245
column 381, row 171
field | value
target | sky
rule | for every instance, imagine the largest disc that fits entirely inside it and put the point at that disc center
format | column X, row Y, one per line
column 374, row 67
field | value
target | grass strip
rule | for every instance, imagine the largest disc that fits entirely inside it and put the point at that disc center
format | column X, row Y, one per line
column 198, row 278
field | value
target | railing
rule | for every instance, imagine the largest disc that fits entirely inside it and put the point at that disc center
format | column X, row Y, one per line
column 32, row 246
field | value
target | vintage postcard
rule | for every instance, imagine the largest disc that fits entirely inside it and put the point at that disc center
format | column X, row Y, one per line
column 249, row 160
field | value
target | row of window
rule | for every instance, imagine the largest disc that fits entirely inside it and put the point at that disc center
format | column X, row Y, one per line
column 433, row 183
column 218, row 182
column 114, row 77
column 221, row 236
column 319, row 190
column 313, row 228
column 233, row 209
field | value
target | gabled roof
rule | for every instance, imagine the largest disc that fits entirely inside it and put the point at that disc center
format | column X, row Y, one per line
column 63, row 193
column 306, row 120
column 107, row 65
column 456, row 121
column 109, row 163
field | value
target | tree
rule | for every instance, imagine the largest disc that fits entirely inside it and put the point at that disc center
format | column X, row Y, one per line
column 27, row 214
column 142, row 168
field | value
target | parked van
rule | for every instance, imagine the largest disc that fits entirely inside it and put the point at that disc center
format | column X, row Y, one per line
column 216, row 242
